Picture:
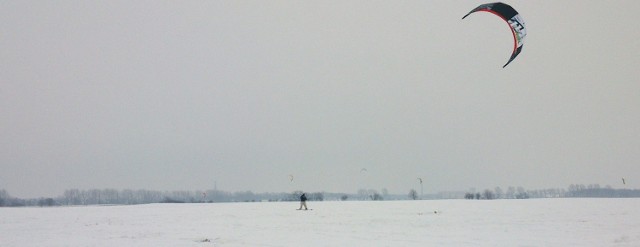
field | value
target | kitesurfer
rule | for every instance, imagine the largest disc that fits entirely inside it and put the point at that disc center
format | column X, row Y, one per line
column 303, row 201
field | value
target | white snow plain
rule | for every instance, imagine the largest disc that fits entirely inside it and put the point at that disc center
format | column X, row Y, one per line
column 532, row 222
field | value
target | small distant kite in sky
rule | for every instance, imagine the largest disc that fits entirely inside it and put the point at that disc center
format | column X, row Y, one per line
column 623, row 182
column 290, row 178
column 420, row 179
column 511, row 16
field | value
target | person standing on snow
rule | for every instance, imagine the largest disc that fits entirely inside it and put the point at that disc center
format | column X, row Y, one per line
column 303, row 202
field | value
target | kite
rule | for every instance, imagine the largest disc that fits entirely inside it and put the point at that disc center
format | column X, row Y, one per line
column 511, row 16
column 623, row 182
column 290, row 178
column 420, row 179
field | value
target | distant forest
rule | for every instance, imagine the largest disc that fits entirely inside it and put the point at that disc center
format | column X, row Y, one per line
column 132, row 197
column 573, row 191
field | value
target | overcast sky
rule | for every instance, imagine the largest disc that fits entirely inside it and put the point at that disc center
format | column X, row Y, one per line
column 184, row 95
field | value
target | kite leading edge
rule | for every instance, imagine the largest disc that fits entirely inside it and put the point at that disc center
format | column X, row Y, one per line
column 513, row 18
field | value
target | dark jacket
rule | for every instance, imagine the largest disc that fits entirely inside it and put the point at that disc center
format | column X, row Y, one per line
column 303, row 198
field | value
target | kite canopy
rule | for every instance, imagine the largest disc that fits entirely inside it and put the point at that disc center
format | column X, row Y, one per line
column 511, row 16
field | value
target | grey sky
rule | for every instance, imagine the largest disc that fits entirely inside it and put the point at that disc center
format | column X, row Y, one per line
column 171, row 95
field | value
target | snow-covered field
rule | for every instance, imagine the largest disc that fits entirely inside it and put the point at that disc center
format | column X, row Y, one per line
column 533, row 222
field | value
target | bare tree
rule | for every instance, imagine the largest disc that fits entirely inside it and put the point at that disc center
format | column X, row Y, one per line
column 522, row 194
column 363, row 194
column 468, row 196
column 376, row 197
column 46, row 202
column 499, row 192
column 316, row 196
column 413, row 194
column 488, row 194
column 71, row 197
column 4, row 197
column 511, row 192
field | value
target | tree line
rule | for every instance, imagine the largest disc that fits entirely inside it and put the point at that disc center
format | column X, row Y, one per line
column 132, row 197
column 573, row 191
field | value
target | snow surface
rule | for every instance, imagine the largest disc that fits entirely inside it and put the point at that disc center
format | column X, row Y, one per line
column 532, row 222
